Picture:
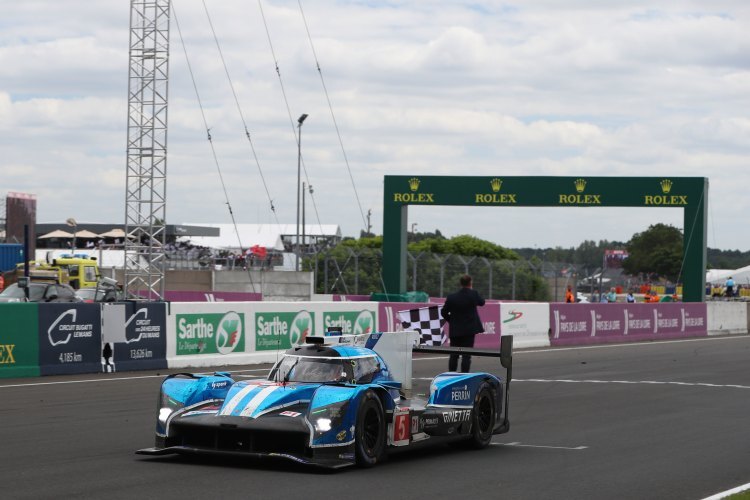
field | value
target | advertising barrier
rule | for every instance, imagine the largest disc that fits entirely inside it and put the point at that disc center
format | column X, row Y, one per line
column 202, row 334
column 388, row 320
column 50, row 339
column 69, row 338
column 189, row 296
column 353, row 320
column 489, row 314
column 581, row 324
column 527, row 322
column 134, row 336
column 19, row 341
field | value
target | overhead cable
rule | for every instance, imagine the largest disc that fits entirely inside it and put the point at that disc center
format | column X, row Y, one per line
column 239, row 110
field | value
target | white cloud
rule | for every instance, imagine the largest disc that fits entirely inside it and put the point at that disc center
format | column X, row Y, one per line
column 479, row 88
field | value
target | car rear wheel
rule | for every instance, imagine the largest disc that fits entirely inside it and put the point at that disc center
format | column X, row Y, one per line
column 370, row 432
column 483, row 417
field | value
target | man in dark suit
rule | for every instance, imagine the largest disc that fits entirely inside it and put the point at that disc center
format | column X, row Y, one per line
column 460, row 311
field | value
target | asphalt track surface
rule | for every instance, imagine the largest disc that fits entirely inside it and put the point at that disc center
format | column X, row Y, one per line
column 661, row 420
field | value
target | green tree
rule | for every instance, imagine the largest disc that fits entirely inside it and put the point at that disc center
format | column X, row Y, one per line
column 656, row 251
column 355, row 266
column 464, row 245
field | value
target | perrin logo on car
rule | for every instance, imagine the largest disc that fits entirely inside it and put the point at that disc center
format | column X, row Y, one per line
column 460, row 393
column 210, row 333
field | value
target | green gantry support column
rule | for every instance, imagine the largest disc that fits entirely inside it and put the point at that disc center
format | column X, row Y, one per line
column 688, row 193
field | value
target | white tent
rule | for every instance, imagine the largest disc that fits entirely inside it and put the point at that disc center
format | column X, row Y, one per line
column 86, row 234
column 59, row 233
column 113, row 233
column 740, row 276
column 248, row 235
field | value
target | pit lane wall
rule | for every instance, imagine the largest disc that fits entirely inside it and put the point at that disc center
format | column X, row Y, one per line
column 50, row 339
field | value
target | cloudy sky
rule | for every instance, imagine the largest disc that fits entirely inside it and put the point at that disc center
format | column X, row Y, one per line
column 543, row 87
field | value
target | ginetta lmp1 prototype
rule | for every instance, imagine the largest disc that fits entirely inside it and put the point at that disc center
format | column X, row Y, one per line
column 334, row 402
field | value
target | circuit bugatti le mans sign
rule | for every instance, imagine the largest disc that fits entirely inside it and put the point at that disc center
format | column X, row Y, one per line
column 687, row 193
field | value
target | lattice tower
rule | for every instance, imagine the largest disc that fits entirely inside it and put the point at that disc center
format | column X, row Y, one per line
column 146, row 182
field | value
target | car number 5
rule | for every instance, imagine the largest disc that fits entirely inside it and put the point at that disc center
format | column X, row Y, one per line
column 401, row 424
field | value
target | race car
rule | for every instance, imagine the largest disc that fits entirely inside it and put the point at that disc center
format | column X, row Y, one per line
column 333, row 402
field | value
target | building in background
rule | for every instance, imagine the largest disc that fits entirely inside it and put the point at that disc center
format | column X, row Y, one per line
column 19, row 211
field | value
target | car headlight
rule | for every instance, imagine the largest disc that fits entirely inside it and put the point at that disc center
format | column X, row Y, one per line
column 167, row 406
column 328, row 417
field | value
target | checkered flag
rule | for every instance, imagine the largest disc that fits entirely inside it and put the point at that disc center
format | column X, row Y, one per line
column 427, row 321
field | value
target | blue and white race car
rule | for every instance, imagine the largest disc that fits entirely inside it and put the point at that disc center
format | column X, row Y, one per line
column 335, row 402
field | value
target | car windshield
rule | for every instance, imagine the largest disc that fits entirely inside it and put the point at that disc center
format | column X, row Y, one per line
column 310, row 369
column 36, row 292
column 86, row 293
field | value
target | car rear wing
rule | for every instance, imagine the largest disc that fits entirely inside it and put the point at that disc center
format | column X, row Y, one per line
column 505, row 354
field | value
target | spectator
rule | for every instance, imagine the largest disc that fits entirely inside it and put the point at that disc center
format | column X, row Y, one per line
column 569, row 298
column 107, row 352
column 630, row 298
column 730, row 287
column 612, row 296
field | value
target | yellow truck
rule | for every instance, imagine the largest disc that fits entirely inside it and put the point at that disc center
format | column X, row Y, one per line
column 77, row 272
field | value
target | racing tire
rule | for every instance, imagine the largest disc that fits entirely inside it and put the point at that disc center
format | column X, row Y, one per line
column 370, row 431
column 483, row 417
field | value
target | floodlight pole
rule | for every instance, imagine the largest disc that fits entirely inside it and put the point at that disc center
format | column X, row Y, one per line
column 72, row 223
column 300, row 120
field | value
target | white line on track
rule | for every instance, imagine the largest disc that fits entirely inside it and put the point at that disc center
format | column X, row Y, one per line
column 728, row 493
column 629, row 344
column 604, row 346
column 551, row 349
column 651, row 382
column 114, row 379
column 521, row 445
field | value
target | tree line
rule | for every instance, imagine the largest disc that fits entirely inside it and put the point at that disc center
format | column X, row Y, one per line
column 655, row 253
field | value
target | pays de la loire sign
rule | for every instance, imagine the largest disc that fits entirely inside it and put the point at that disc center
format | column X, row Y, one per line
column 687, row 193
